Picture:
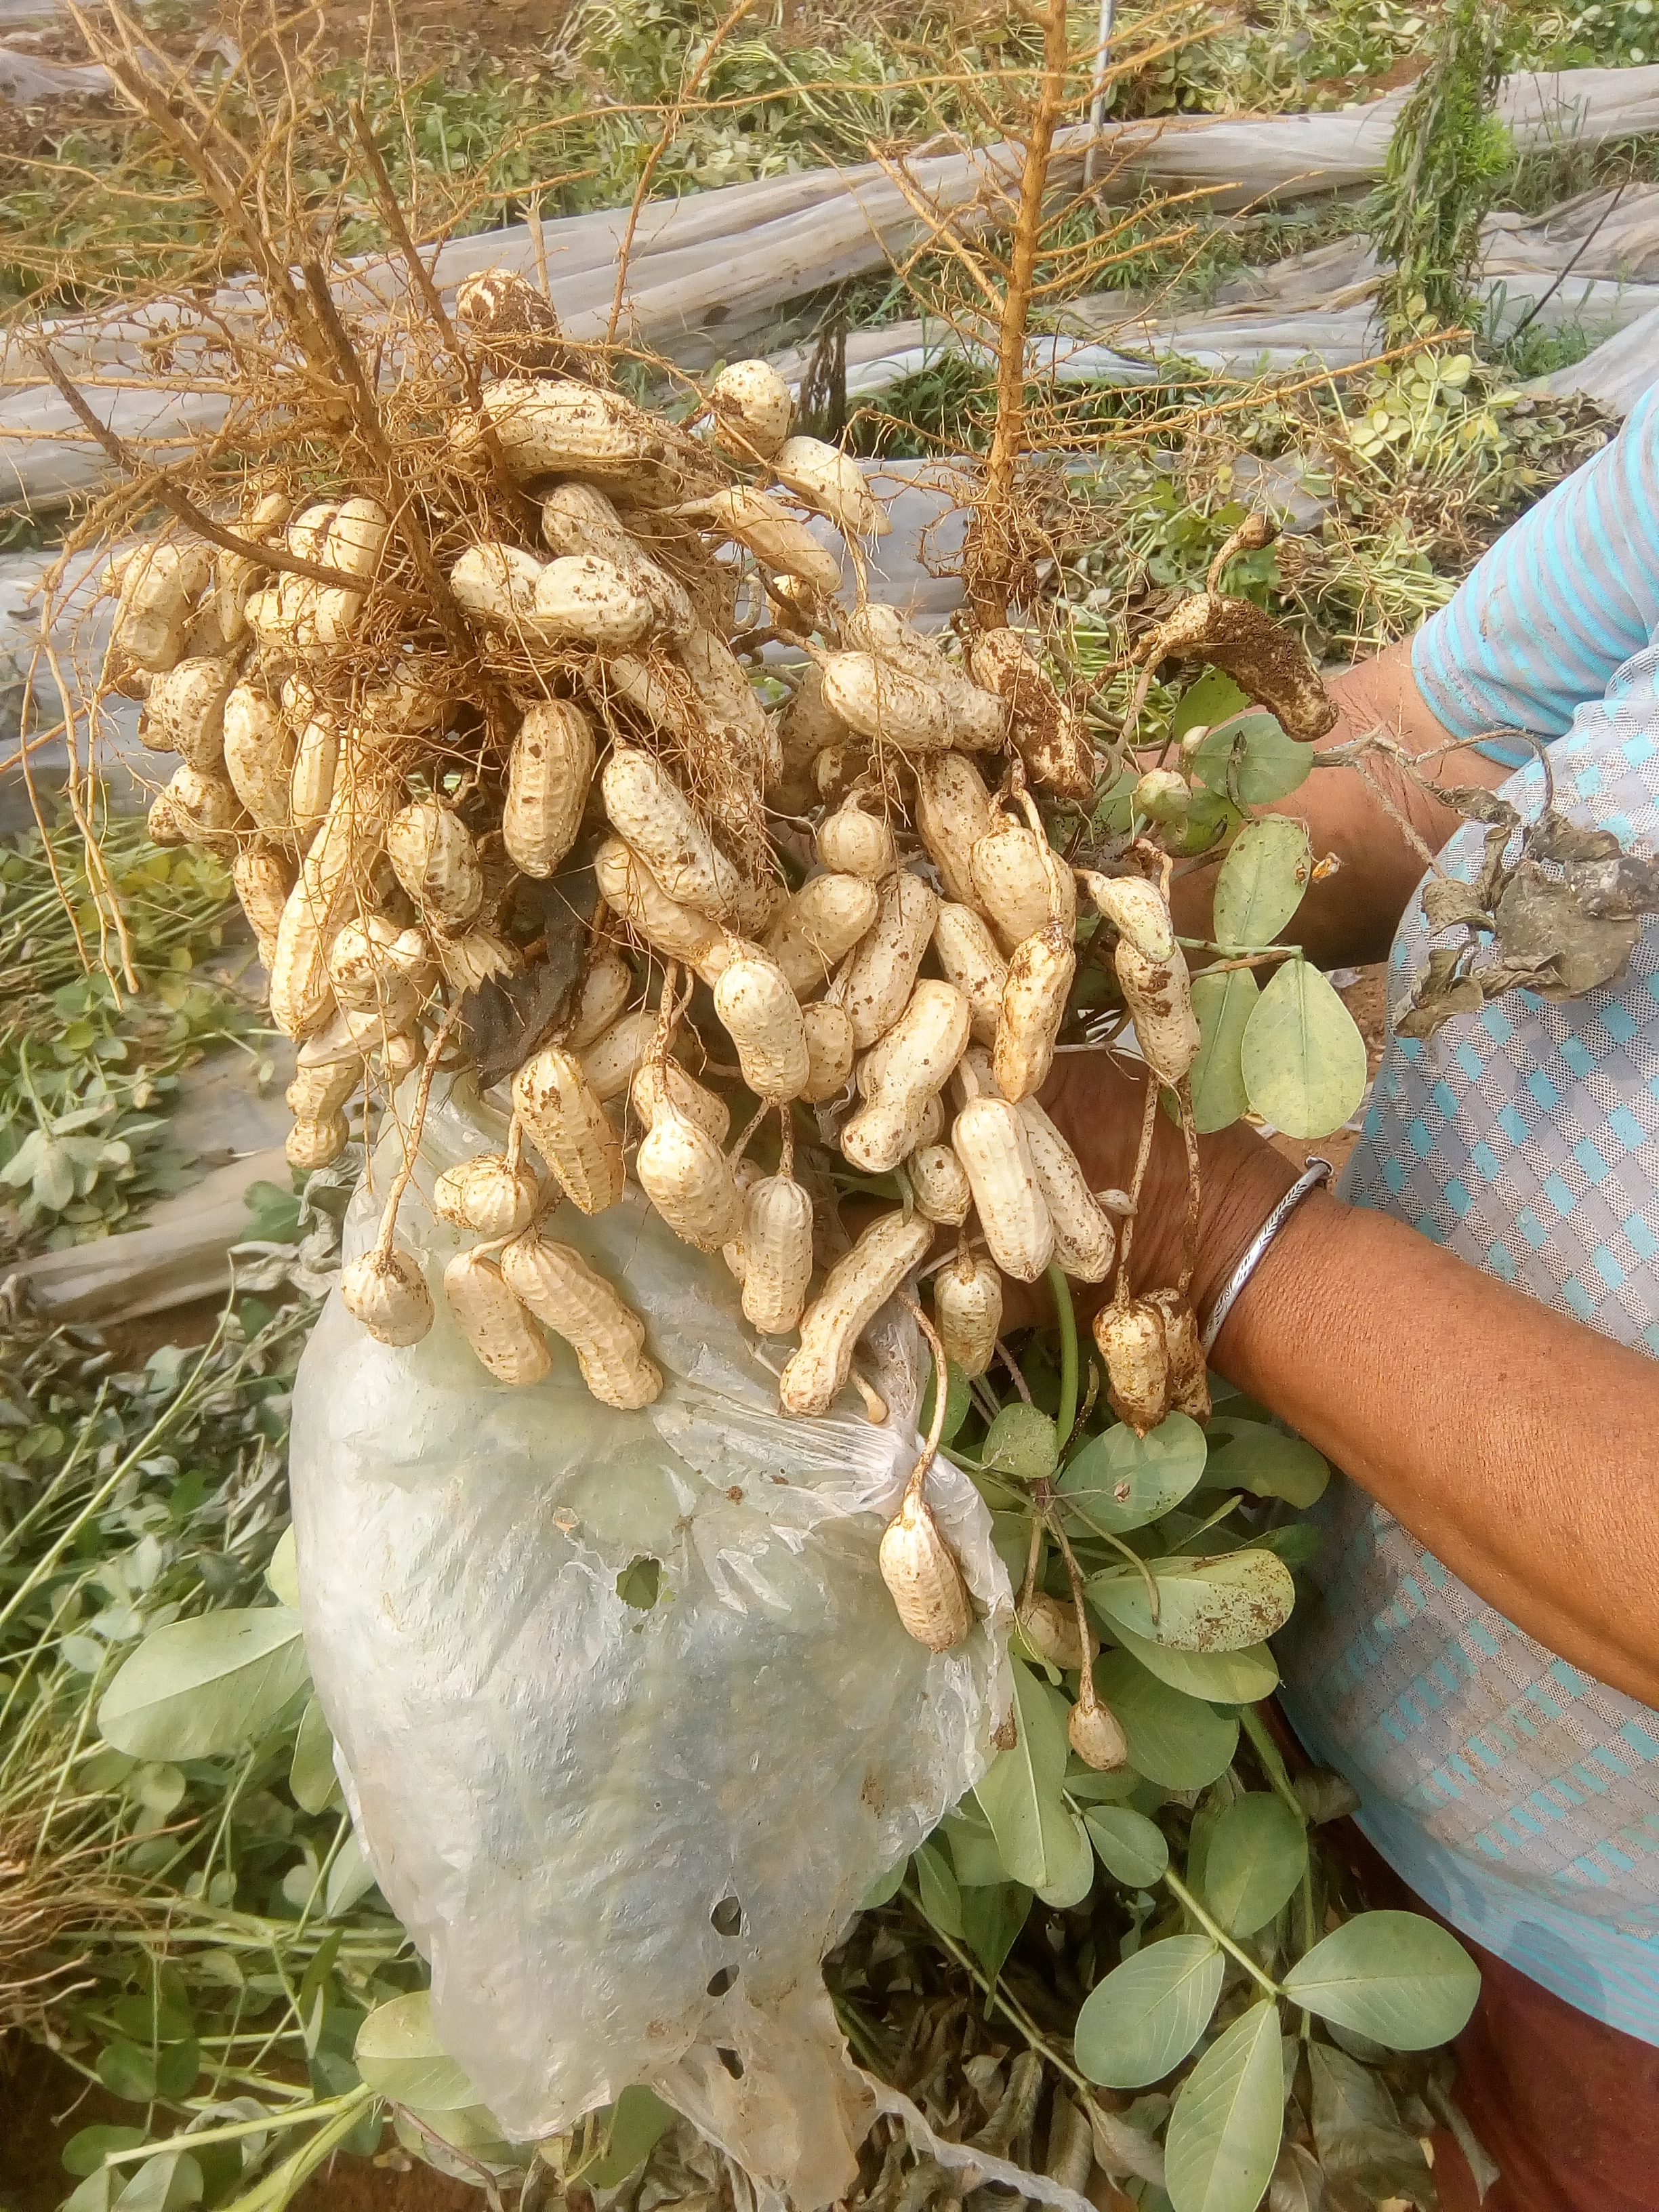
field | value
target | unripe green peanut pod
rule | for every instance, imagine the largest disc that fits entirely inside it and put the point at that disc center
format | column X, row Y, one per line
column 777, row 1248
column 504, row 1337
column 258, row 757
column 1084, row 1240
column 773, row 535
column 921, row 1574
column 763, row 1017
column 1159, row 997
column 570, row 1129
column 830, row 1051
column 687, row 1177
column 1162, row 795
column 1189, row 1379
column 1048, row 1626
column 938, row 1183
column 1033, row 1006
column 968, row 1311
column 487, row 1194
column 953, row 812
column 967, row 951
column 1096, row 1735
column 1132, row 1342
column 653, row 816
column 388, row 1296
column 885, row 704
column 882, row 970
column 1022, row 1441
column 906, row 1069
column 990, row 1138
column 819, row 926
column 549, row 774
column 752, row 409
column 857, row 1287
column 825, row 477
column 580, row 597
column 184, row 712
column 435, row 860
column 851, row 843
column 607, row 1335
column 678, row 932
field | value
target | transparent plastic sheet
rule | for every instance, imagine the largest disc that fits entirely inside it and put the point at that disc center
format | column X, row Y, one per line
column 557, row 1787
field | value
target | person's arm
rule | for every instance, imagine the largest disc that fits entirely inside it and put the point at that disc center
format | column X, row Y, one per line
column 1517, row 1444
column 1535, row 631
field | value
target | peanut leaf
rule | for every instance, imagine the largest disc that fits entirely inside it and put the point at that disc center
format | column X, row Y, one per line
column 1229, row 2114
column 1304, row 1060
column 1262, row 881
column 1148, row 2013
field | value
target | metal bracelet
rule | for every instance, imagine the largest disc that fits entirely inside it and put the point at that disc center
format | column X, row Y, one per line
column 1319, row 1172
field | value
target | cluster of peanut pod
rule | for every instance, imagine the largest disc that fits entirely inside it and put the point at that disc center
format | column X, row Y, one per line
column 822, row 877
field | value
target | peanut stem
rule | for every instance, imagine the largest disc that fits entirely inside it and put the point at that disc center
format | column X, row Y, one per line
column 941, row 1393
column 1188, row 1903
column 1062, row 1291
column 411, row 1139
column 1148, row 1117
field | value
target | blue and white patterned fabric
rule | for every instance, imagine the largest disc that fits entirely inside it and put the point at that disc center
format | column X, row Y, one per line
column 1516, row 1795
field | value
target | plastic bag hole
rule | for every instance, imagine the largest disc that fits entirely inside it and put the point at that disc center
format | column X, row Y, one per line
column 732, row 2063
column 727, row 1918
column 720, row 1983
column 639, row 1584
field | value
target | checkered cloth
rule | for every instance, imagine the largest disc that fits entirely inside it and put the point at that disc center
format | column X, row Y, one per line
column 1517, row 1795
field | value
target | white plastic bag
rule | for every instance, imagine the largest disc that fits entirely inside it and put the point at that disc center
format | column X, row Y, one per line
column 595, row 1816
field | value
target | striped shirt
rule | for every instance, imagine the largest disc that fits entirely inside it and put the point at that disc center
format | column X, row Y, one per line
column 1517, row 1795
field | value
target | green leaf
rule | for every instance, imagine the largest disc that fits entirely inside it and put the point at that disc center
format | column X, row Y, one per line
column 349, row 1878
column 1224, row 1678
column 639, row 2119
column 1260, row 883
column 884, row 1888
column 1132, row 1848
column 941, row 1899
column 1265, row 763
column 310, row 1777
column 1021, row 1796
column 1120, row 1482
column 1223, row 1004
column 1219, row 1603
column 127, row 2072
column 958, row 1402
column 282, row 1571
column 84, row 2153
column 1213, row 698
column 1269, row 1464
column 1148, row 2013
column 1303, row 1059
column 398, row 2054
column 1173, row 1739
column 1257, row 1854
column 1223, row 2141
column 167, row 2183
column 991, row 1919
column 1394, row 1976
column 974, row 1854
column 204, row 1686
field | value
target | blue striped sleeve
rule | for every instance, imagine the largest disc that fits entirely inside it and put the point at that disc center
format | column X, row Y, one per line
column 1558, row 605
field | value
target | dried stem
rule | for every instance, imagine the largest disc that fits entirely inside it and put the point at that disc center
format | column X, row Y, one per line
column 411, row 1138
column 941, row 1393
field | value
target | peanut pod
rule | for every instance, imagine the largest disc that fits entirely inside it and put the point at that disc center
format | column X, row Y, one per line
column 858, row 1286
